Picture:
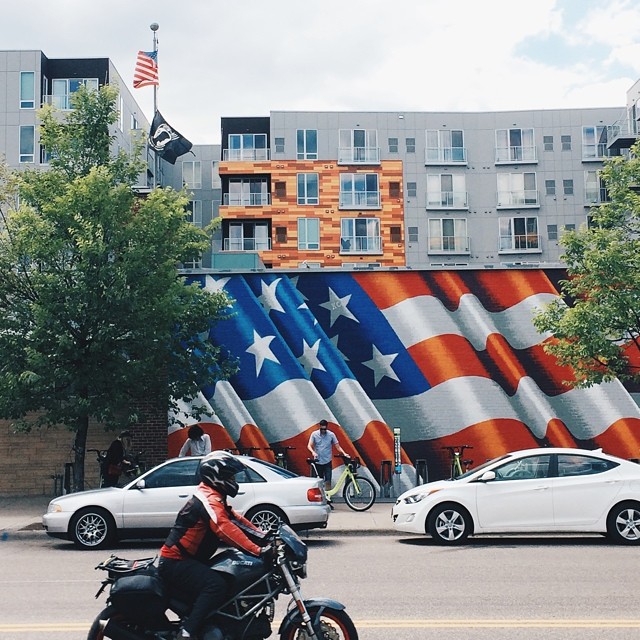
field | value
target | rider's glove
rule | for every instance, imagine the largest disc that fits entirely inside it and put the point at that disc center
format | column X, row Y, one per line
column 268, row 552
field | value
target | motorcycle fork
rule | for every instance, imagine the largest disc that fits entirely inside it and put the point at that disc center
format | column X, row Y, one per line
column 294, row 589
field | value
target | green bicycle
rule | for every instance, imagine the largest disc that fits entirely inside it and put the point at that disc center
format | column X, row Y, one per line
column 359, row 493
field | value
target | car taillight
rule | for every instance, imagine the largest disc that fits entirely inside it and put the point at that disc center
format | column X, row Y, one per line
column 314, row 495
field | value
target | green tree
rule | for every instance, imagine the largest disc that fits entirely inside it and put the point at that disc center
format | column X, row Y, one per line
column 94, row 316
column 597, row 331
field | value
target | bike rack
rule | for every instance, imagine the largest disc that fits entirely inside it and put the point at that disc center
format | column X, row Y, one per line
column 386, row 478
column 422, row 472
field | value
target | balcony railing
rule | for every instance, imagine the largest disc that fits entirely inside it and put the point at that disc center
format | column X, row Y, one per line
column 510, row 155
column 450, row 244
column 245, row 155
column 529, row 242
column 59, row 102
column 448, row 200
column 595, row 151
column 360, row 244
column 359, row 200
column 359, row 155
column 440, row 155
column 622, row 134
column 596, row 196
column 246, row 244
column 246, row 199
column 516, row 199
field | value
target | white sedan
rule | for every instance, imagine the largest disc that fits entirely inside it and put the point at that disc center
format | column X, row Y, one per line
column 147, row 506
column 551, row 490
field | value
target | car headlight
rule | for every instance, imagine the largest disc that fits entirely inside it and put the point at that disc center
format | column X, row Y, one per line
column 54, row 507
column 418, row 497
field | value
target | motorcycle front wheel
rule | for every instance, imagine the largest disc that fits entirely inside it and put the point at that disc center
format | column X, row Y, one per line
column 334, row 624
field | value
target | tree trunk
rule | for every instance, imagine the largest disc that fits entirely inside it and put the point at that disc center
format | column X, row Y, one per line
column 79, row 446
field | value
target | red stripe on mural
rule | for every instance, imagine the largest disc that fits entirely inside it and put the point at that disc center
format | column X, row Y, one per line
column 253, row 442
column 220, row 438
column 622, row 438
column 377, row 445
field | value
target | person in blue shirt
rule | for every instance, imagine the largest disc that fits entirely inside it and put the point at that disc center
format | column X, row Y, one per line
column 321, row 443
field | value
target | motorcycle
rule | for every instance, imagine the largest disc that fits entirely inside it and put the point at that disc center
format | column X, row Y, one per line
column 138, row 601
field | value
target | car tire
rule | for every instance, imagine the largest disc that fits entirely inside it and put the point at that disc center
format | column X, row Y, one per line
column 92, row 528
column 449, row 524
column 265, row 517
column 623, row 523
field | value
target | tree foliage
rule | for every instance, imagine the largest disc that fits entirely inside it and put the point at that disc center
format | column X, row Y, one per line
column 94, row 317
column 597, row 332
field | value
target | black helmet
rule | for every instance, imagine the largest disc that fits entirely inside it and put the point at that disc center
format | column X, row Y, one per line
column 218, row 469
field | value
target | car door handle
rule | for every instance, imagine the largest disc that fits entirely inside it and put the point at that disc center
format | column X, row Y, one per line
column 544, row 488
column 183, row 495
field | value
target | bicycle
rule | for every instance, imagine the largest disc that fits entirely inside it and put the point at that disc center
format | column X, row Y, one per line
column 359, row 493
column 456, row 451
column 281, row 455
column 135, row 467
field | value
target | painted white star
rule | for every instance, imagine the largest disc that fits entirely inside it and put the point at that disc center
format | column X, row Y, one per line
column 338, row 307
column 215, row 286
column 261, row 350
column 309, row 358
column 269, row 299
column 381, row 366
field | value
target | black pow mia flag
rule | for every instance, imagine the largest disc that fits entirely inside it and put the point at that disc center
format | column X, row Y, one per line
column 166, row 141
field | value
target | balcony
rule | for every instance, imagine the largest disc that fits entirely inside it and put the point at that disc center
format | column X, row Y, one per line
column 359, row 200
column 246, row 199
column 350, row 245
column 246, row 244
column 622, row 134
column 526, row 199
column 596, row 196
column 359, row 155
column 245, row 155
column 59, row 102
column 526, row 243
column 448, row 200
column 595, row 152
column 520, row 155
column 449, row 245
column 439, row 155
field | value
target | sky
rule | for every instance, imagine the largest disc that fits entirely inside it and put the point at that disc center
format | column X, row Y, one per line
column 249, row 57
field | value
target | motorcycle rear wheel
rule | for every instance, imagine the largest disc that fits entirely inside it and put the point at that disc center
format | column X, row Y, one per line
column 335, row 624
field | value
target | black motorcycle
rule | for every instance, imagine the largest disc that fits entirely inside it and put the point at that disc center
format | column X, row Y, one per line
column 139, row 601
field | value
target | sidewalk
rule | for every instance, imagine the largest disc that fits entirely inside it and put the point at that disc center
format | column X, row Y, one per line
column 25, row 514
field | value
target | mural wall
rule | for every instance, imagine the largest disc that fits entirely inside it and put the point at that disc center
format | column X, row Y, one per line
column 448, row 357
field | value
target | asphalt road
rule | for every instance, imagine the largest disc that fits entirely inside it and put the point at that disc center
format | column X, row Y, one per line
column 401, row 587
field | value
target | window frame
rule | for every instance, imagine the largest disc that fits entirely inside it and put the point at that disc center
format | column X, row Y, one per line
column 27, row 101
column 305, row 224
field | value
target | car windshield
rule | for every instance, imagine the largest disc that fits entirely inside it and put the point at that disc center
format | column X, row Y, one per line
column 285, row 473
column 482, row 466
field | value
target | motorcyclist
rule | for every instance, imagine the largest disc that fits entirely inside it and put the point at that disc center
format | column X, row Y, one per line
column 204, row 523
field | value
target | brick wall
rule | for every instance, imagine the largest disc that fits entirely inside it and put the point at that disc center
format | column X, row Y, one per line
column 29, row 460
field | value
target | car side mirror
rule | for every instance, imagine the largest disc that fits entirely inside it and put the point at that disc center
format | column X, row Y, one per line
column 487, row 476
column 140, row 484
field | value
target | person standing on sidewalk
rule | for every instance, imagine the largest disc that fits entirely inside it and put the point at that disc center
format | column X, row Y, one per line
column 321, row 443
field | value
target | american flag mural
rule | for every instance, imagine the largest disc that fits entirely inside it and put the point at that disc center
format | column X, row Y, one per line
column 448, row 357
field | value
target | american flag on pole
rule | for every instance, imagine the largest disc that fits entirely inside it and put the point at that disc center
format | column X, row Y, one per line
column 146, row 71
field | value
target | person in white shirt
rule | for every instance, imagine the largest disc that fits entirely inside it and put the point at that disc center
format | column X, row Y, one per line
column 198, row 443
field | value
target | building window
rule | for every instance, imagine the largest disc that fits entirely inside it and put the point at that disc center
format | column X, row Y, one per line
column 281, row 234
column 358, row 146
column 394, row 189
column 63, row 89
column 445, row 146
column 247, row 146
column 552, row 231
column 247, row 192
column 194, row 213
column 308, row 234
column 307, row 144
column 515, row 145
column 396, row 233
column 565, row 141
column 547, row 141
column 247, row 236
column 27, row 143
column 412, row 189
column 412, row 232
column 393, row 145
column 27, row 89
column 359, row 190
column 193, row 264
column 567, row 187
column 308, row 188
column 517, row 190
column 281, row 189
column 550, row 186
column 594, row 142
column 360, row 235
column 279, row 143
column 410, row 145
column 446, row 191
column 569, row 227
column 595, row 191
column 448, row 235
column 135, row 125
column 192, row 174
column 519, row 234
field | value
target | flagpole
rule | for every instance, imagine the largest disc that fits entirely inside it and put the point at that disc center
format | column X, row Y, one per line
column 156, row 161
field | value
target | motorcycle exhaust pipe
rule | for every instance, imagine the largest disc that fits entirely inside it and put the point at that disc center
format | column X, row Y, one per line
column 116, row 631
